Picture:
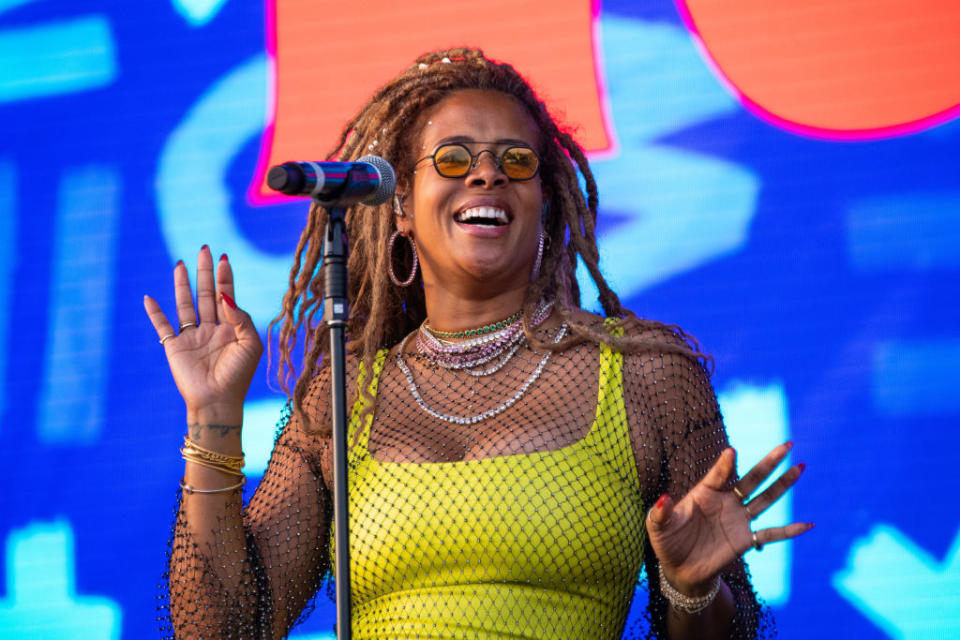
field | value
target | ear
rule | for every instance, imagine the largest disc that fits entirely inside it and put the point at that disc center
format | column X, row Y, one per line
column 401, row 217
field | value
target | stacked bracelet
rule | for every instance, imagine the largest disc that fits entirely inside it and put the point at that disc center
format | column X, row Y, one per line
column 684, row 603
column 189, row 488
column 192, row 452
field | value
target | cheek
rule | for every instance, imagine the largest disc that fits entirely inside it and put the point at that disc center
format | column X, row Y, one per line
column 431, row 194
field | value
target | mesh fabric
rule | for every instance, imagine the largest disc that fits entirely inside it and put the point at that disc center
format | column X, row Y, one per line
column 527, row 524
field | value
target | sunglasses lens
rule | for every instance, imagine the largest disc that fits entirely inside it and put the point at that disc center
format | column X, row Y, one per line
column 520, row 163
column 452, row 161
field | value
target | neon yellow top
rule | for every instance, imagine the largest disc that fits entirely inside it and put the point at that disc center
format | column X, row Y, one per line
column 541, row 545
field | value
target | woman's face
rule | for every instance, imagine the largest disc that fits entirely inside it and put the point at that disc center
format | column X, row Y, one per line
column 459, row 252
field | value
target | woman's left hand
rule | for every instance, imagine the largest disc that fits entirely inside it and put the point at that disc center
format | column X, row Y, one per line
column 697, row 537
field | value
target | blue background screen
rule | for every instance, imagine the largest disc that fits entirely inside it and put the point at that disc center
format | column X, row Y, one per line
column 822, row 274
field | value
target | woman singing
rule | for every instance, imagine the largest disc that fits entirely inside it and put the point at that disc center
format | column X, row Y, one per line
column 514, row 461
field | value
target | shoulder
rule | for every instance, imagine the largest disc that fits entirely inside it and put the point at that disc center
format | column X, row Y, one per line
column 315, row 403
column 659, row 357
column 639, row 339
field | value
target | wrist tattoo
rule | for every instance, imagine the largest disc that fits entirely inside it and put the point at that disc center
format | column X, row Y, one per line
column 196, row 429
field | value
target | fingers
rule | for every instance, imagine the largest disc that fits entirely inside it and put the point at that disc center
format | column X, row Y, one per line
column 760, row 471
column 773, row 493
column 184, row 297
column 776, row 534
column 206, row 290
column 158, row 319
column 225, row 278
column 230, row 313
column 206, row 310
column 722, row 470
column 243, row 327
column 660, row 513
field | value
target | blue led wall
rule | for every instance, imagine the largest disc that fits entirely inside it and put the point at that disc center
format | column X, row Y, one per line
column 822, row 275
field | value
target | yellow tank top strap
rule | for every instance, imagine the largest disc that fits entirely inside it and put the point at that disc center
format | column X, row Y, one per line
column 358, row 429
column 611, row 431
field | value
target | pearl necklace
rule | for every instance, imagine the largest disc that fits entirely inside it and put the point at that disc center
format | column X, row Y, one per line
column 412, row 385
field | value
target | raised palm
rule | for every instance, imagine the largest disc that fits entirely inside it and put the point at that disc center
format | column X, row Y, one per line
column 215, row 355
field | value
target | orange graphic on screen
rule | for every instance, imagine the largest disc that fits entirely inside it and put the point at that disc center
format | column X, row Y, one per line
column 836, row 68
column 330, row 58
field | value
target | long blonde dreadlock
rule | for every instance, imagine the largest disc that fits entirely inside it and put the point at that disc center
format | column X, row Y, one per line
column 382, row 314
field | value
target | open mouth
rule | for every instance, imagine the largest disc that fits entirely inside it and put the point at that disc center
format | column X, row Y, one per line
column 483, row 216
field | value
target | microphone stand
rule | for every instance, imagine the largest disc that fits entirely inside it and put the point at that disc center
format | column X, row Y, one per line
column 352, row 186
column 336, row 312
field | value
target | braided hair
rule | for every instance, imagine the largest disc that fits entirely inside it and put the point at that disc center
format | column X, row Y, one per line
column 381, row 314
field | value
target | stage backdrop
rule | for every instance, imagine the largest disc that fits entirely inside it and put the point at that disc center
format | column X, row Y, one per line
column 779, row 178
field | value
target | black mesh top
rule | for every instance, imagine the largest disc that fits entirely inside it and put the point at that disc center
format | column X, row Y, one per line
column 527, row 523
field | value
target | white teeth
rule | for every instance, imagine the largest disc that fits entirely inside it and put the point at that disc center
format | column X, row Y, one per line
column 483, row 213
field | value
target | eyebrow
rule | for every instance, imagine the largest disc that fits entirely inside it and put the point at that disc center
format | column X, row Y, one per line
column 469, row 140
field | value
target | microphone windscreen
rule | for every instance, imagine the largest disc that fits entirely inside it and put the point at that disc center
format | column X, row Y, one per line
column 387, row 184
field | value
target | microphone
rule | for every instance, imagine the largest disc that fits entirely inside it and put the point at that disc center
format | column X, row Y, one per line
column 369, row 180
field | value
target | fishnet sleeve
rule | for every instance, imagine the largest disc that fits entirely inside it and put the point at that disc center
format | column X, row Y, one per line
column 253, row 576
column 677, row 433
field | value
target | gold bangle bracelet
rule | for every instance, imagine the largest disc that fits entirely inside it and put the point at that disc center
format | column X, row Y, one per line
column 190, row 455
column 210, row 455
column 190, row 490
column 231, row 462
column 212, row 465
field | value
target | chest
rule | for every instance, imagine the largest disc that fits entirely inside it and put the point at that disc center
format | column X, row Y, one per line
column 430, row 415
column 563, row 520
column 538, row 504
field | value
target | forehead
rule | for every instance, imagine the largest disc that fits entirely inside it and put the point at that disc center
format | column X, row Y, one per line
column 479, row 115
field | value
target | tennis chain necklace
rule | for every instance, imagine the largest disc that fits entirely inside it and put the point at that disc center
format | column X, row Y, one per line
column 471, row 355
column 509, row 402
column 479, row 331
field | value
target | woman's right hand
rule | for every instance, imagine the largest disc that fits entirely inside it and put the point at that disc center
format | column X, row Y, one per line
column 215, row 355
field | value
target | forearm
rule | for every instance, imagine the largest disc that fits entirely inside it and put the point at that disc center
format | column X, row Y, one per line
column 210, row 568
column 214, row 520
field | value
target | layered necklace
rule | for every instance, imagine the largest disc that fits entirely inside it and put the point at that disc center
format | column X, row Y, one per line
column 496, row 343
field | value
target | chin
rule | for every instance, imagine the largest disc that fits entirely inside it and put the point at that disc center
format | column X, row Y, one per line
column 496, row 273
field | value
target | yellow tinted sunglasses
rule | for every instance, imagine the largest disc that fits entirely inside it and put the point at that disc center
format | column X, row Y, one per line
column 454, row 160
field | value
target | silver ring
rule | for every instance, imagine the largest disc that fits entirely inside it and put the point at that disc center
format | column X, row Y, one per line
column 756, row 541
column 184, row 325
column 167, row 337
column 737, row 492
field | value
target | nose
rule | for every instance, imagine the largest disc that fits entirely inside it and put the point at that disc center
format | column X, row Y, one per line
column 485, row 171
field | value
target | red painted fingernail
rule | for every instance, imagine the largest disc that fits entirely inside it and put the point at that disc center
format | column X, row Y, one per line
column 223, row 257
column 179, row 262
column 803, row 467
column 661, row 501
column 789, row 444
column 228, row 300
